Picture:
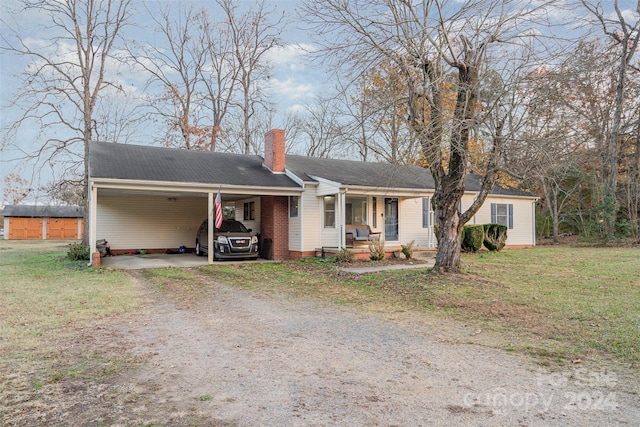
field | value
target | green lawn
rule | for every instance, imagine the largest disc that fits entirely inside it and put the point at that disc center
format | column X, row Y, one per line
column 46, row 299
column 560, row 303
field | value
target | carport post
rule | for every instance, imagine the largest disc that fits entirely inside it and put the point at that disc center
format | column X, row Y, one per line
column 210, row 229
column 92, row 216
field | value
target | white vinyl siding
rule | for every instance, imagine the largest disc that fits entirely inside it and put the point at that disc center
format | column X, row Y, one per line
column 410, row 227
column 295, row 225
column 522, row 233
column 312, row 216
column 148, row 222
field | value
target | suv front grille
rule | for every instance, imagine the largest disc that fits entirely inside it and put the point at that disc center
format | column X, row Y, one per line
column 240, row 242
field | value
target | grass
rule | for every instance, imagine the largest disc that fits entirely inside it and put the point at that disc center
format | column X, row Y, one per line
column 46, row 299
column 588, row 298
column 559, row 303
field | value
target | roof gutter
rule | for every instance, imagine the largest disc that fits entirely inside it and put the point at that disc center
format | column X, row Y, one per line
column 132, row 184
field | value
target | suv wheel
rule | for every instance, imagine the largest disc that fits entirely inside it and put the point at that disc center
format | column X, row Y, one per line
column 198, row 249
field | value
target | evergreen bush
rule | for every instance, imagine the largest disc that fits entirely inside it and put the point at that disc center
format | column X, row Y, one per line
column 78, row 252
column 472, row 237
column 495, row 236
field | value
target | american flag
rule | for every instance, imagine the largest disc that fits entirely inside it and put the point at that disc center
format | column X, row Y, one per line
column 218, row 210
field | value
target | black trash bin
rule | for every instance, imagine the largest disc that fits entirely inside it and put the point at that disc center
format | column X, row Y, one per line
column 266, row 249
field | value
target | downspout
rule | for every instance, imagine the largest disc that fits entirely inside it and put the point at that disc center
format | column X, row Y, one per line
column 533, row 223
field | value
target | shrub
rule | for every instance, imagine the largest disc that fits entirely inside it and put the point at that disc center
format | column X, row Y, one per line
column 345, row 256
column 472, row 237
column 78, row 252
column 376, row 250
column 495, row 236
column 407, row 249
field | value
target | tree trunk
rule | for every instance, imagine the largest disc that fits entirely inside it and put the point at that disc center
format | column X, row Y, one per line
column 448, row 235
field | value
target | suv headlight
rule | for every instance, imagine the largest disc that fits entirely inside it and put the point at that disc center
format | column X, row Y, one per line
column 223, row 240
column 254, row 240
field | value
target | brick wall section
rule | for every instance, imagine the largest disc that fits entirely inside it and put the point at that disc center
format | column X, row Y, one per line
column 274, row 150
column 274, row 224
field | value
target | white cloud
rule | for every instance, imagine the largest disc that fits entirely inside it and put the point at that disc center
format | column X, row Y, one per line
column 291, row 88
column 292, row 56
column 297, row 109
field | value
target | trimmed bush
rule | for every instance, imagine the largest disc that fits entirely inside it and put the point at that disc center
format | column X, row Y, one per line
column 472, row 237
column 495, row 236
column 78, row 252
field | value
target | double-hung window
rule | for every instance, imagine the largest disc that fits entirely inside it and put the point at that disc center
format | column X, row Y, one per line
column 330, row 211
column 293, row 206
column 502, row 213
column 249, row 211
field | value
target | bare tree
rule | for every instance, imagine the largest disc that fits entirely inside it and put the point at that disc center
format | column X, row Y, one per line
column 626, row 34
column 379, row 117
column 67, row 73
column 176, row 65
column 573, row 105
column 253, row 34
column 548, row 155
column 16, row 189
column 67, row 191
column 429, row 42
column 219, row 74
column 322, row 129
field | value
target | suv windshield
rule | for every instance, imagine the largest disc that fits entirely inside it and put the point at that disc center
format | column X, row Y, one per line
column 233, row 227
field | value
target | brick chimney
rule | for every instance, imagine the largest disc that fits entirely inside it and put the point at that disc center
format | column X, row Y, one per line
column 274, row 157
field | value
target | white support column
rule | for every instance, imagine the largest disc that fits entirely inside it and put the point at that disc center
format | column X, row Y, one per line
column 210, row 222
column 340, row 216
column 93, row 206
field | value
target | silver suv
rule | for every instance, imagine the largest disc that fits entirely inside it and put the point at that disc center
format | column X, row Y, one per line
column 231, row 241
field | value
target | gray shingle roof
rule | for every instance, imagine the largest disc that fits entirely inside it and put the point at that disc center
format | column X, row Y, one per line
column 34, row 211
column 350, row 172
column 378, row 175
column 147, row 163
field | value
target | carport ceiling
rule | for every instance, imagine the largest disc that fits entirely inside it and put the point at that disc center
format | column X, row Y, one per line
column 112, row 192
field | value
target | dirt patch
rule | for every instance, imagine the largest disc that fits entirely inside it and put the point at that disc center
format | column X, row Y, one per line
column 202, row 353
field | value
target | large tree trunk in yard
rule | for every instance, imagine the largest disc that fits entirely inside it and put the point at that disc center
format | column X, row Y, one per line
column 448, row 235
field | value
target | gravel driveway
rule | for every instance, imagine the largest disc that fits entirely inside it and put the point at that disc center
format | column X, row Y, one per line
column 242, row 357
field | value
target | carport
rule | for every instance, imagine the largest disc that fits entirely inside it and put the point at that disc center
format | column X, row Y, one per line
column 155, row 198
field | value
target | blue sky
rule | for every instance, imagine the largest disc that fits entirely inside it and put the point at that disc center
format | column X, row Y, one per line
column 294, row 81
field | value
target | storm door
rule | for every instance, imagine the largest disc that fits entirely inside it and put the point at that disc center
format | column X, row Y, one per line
column 391, row 218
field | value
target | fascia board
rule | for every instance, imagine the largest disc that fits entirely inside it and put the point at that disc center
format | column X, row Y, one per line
column 160, row 186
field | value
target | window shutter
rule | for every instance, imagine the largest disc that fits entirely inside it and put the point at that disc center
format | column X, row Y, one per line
column 494, row 210
column 510, row 206
column 425, row 212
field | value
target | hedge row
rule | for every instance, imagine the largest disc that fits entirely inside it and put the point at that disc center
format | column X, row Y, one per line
column 492, row 236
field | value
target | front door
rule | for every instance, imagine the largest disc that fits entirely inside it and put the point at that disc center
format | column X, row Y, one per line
column 391, row 218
